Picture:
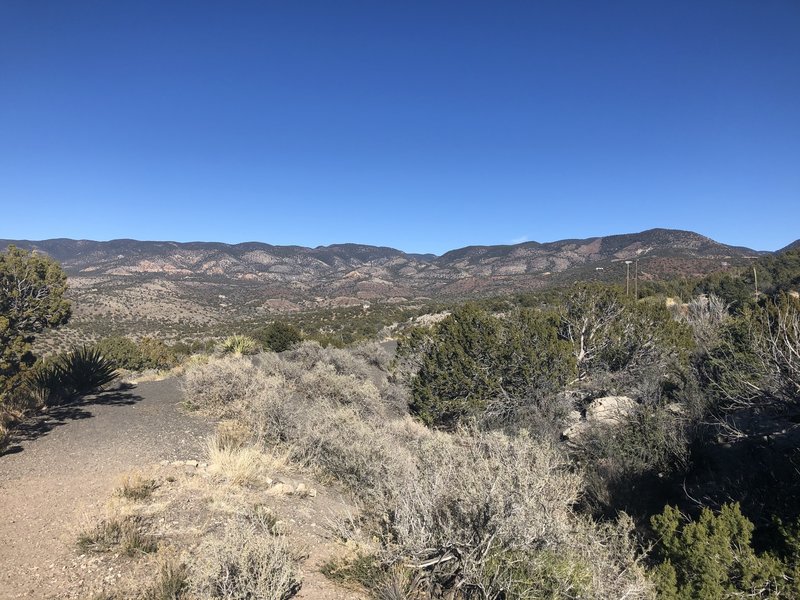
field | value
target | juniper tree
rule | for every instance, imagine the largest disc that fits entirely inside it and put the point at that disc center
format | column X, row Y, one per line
column 32, row 290
column 474, row 364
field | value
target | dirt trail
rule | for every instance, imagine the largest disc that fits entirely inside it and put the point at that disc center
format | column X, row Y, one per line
column 57, row 477
column 61, row 469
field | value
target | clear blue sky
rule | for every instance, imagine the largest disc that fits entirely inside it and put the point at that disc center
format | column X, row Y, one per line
column 425, row 126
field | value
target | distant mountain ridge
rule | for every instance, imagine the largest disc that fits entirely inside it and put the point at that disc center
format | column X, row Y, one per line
column 127, row 255
column 793, row 246
column 197, row 278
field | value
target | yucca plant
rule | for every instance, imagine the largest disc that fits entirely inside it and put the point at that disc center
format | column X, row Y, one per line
column 238, row 344
column 86, row 369
column 46, row 382
column 69, row 375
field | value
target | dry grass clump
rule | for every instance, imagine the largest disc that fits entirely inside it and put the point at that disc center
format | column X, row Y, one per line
column 329, row 420
column 232, row 434
column 373, row 353
column 171, row 583
column 247, row 561
column 357, row 452
column 511, row 485
column 399, row 584
column 310, row 353
column 104, row 595
column 323, row 382
column 325, row 418
column 240, row 463
column 137, row 487
column 127, row 535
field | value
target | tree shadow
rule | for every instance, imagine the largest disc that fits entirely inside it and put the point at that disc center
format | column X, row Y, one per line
column 42, row 424
column 760, row 472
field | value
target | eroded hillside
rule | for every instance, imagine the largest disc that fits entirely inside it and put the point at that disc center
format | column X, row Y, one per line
column 154, row 286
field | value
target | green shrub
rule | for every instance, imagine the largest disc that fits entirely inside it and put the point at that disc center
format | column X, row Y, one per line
column 733, row 289
column 46, row 382
column 474, row 364
column 156, row 354
column 545, row 574
column 629, row 462
column 609, row 332
column 148, row 353
column 757, row 359
column 123, row 351
column 278, row 336
column 712, row 558
column 779, row 272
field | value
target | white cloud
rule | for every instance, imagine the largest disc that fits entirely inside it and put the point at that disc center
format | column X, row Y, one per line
column 519, row 240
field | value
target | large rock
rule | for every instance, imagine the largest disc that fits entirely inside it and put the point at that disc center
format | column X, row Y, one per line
column 610, row 409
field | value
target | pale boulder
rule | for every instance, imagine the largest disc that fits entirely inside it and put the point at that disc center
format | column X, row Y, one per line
column 610, row 409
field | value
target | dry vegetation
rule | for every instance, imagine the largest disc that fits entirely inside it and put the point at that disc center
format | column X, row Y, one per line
column 243, row 525
column 464, row 514
column 529, row 505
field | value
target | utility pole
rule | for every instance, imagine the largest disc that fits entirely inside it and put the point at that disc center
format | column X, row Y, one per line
column 755, row 274
column 636, row 280
column 628, row 277
column 755, row 278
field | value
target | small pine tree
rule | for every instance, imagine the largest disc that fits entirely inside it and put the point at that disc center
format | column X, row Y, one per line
column 278, row 336
column 712, row 558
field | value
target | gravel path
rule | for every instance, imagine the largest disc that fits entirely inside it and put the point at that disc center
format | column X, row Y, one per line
column 61, row 468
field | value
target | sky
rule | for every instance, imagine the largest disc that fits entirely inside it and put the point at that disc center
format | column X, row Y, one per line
column 424, row 126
